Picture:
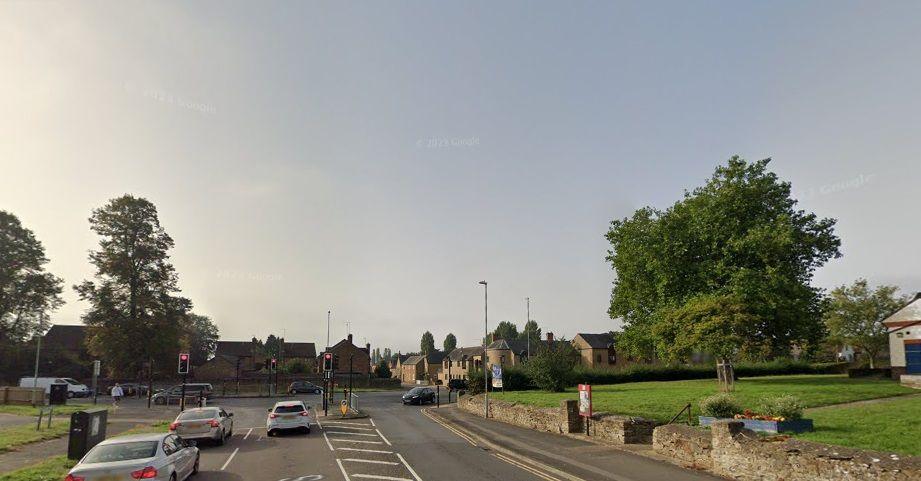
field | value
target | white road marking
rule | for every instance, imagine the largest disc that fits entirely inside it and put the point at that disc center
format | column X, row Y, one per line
column 366, row 450
column 259, row 438
column 372, row 422
column 352, row 434
column 347, row 423
column 355, row 441
column 234, row 453
column 410, row 468
column 248, row 433
column 525, row 467
column 351, row 427
column 327, row 442
column 375, row 476
column 372, row 461
column 379, row 433
column 344, row 474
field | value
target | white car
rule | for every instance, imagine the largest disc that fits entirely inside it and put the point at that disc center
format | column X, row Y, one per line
column 288, row 415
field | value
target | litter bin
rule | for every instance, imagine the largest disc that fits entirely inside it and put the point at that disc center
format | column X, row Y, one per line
column 87, row 429
column 58, row 394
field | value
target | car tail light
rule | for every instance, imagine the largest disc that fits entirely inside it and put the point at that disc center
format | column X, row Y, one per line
column 173, row 426
column 71, row 477
column 305, row 413
column 273, row 416
column 214, row 424
column 146, row 473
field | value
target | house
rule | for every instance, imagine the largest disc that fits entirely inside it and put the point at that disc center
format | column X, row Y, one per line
column 459, row 362
column 347, row 355
column 422, row 367
column 396, row 365
column 218, row 367
column 595, row 350
column 512, row 352
column 904, row 328
column 66, row 339
column 245, row 354
column 305, row 352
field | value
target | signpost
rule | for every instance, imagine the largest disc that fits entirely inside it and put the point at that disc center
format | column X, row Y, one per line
column 96, row 366
column 585, row 404
column 184, row 370
column 497, row 376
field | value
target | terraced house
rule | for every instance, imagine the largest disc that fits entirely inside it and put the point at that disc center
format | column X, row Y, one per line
column 459, row 362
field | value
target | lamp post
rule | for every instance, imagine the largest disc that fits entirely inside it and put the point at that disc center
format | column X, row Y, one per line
column 327, row 329
column 526, row 326
column 486, row 333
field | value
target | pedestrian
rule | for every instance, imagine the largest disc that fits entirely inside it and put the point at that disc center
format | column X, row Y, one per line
column 117, row 394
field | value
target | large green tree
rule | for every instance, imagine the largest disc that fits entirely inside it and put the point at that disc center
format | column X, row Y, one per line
column 135, row 315
column 201, row 335
column 450, row 342
column 28, row 294
column 739, row 239
column 504, row 330
column 854, row 316
column 427, row 344
column 531, row 331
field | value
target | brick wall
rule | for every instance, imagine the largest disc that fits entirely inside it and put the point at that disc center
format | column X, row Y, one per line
column 738, row 453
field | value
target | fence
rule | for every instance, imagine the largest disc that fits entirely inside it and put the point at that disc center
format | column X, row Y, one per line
column 22, row 395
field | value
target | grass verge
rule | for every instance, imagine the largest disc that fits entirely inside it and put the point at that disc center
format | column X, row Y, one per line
column 660, row 400
column 889, row 425
column 17, row 410
column 13, row 437
column 52, row 469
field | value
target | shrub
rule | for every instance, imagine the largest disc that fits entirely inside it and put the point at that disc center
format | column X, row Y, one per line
column 475, row 381
column 552, row 368
column 382, row 370
column 296, row 366
column 720, row 406
column 641, row 373
column 785, row 406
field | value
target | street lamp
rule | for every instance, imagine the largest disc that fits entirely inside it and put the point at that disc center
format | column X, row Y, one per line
column 486, row 332
column 526, row 326
column 327, row 329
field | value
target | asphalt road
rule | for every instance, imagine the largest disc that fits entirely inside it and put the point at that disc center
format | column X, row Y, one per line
column 396, row 443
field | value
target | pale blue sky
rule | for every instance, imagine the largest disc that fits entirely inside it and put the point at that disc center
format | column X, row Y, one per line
column 379, row 159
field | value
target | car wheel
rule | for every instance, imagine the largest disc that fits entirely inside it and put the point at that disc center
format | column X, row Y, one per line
column 270, row 433
column 220, row 440
column 195, row 467
column 292, row 392
column 70, row 395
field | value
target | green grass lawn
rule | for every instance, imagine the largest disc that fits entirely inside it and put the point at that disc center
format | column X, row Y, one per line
column 662, row 400
column 33, row 411
column 13, row 437
column 52, row 469
column 889, row 425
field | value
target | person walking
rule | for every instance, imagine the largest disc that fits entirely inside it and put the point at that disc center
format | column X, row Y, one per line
column 117, row 393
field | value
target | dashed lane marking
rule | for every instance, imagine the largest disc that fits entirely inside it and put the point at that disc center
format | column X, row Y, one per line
column 376, row 451
column 248, row 433
column 410, row 468
column 234, row 453
column 356, row 441
column 370, row 461
column 375, row 476
column 341, row 468
column 379, row 433
column 353, row 434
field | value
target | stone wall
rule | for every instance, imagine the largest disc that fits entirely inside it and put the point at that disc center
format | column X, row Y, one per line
column 22, row 395
column 565, row 420
column 738, row 453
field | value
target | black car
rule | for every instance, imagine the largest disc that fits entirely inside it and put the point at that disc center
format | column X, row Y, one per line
column 304, row 386
column 419, row 395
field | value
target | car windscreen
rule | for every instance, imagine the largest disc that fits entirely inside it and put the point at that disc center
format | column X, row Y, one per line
column 416, row 390
column 107, row 453
column 69, row 380
column 197, row 415
column 289, row 409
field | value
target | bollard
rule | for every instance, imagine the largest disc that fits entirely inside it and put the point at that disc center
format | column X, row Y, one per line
column 438, row 396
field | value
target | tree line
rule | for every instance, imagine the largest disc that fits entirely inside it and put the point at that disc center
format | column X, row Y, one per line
column 136, row 321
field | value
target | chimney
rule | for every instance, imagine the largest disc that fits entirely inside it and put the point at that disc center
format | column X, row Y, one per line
column 368, row 348
column 350, row 338
column 549, row 337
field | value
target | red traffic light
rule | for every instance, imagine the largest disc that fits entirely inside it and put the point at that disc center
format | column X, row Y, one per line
column 184, row 357
column 329, row 356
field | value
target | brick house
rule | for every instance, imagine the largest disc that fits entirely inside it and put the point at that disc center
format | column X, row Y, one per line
column 512, row 352
column 342, row 351
column 305, row 352
column 422, row 368
column 459, row 361
column 595, row 350
column 247, row 353
column 396, row 365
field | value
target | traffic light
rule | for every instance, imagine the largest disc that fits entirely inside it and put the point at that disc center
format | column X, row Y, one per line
column 328, row 362
column 184, row 363
column 274, row 364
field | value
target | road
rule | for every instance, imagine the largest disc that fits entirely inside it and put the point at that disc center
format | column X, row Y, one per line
column 395, row 443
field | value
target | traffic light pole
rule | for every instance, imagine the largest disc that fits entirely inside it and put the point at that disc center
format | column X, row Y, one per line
column 182, row 398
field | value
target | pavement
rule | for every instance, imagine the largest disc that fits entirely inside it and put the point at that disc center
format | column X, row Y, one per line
column 399, row 443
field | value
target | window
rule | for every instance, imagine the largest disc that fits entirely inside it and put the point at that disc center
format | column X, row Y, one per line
column 598, row 359
column 171, row 445
column 108, row 453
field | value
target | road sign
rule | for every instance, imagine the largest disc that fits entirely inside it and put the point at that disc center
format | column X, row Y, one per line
column 497, row 375
column 344, row 407
column 585, row 400
column 96, row 367
column 184, row 363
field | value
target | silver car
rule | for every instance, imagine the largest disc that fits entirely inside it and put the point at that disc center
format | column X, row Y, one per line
column 212, row 423
column 164, row 457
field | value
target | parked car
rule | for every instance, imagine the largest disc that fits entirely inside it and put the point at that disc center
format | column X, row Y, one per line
column 130, row 389
column 457, row 384
column 141, row 456
column 74, row 388
column 172, row 394
column 297, row 387
column 212, row 423
column 288, row 415
column 419, row 395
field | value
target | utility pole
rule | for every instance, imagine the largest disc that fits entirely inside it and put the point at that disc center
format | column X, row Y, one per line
column 485, row 345
column 526, row 327
column 38, row 349
column 327, row 329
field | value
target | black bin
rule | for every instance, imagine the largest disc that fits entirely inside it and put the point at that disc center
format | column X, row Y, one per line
column 58, row 394
column 87, row 429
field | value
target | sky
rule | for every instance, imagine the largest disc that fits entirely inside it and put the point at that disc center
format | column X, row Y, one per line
column 378, row 159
